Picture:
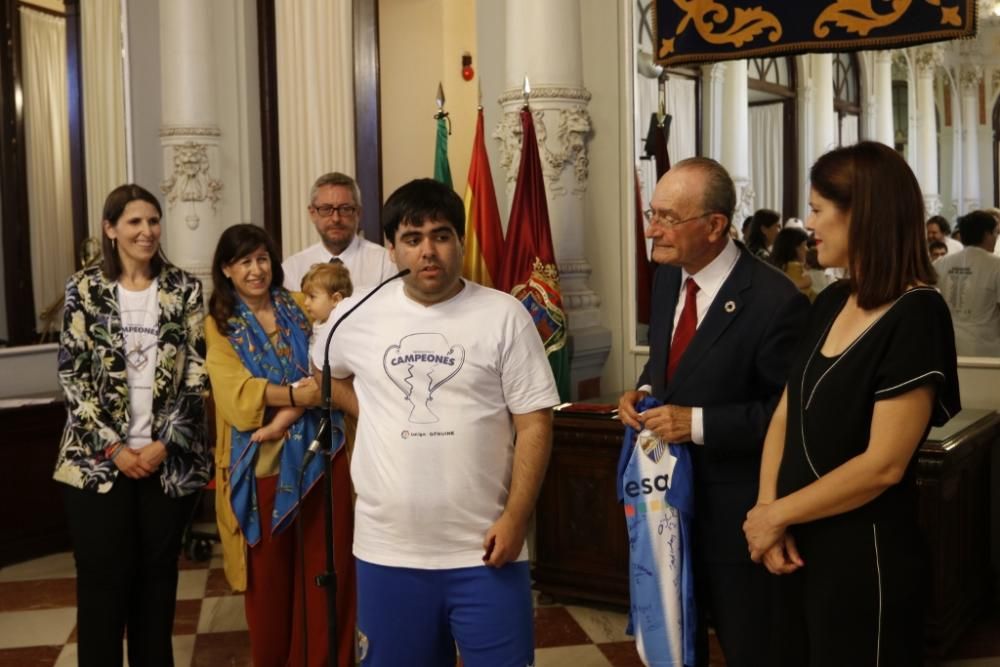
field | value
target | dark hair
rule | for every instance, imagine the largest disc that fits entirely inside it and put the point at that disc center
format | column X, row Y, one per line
column 785, row 246
column 719, row 195
column 937, row 245
column 235, row 243
column 114, row 206
column 761, row 218
column 886, row 241
column 420, row 200
column 975, row 226
column 941, row 222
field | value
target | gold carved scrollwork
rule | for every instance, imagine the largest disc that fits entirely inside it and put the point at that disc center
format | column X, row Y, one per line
column 860, row 17
column 708, row 15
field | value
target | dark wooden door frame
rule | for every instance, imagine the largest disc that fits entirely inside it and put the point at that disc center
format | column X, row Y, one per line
column 18, row 284
column 14, row 183
column 367, row 116
column 787, row 98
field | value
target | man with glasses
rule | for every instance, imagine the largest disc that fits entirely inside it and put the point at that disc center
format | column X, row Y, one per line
column 335, row 210
column 723, row 328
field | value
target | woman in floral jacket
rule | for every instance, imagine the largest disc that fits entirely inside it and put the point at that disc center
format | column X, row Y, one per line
column 134, row 451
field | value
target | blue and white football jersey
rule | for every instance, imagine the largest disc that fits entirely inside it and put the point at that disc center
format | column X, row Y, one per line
column 655, row 485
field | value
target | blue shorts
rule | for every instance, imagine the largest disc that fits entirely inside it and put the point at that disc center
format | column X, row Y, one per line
column 416, row 617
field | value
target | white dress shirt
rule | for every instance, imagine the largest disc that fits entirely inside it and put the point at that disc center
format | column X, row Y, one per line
column 368, row 263
column 710, row 280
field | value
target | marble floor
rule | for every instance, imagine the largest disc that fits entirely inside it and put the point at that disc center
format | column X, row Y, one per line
column 38, row 621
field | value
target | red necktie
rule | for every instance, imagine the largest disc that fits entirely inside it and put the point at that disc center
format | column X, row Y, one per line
column 686, row 325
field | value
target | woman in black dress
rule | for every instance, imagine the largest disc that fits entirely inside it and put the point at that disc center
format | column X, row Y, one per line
column 876, row 368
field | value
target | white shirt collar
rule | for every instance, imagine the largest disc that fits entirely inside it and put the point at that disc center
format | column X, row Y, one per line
column 711, row 277
column 349, row 251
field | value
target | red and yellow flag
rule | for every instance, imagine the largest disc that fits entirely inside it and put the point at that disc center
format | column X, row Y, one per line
column 529, row 270
column 483, row 233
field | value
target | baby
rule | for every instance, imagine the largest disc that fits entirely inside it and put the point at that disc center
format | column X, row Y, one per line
column 325, row 285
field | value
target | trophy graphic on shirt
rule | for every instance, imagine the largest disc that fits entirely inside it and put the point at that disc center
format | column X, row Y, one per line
column 419, row 365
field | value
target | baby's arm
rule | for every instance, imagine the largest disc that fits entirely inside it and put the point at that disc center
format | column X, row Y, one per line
column 278, row 425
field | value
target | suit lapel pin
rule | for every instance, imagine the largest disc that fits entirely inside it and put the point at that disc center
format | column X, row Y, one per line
column 730, row 306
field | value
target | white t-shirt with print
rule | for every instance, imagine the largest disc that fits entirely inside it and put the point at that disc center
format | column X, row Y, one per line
column 969, row 281
column 140, row 314
column 436, row 388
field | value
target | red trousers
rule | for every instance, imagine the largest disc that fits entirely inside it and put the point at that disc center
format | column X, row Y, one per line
column 274, row 598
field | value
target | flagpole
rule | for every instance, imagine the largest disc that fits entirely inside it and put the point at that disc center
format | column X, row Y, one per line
column 442, row 170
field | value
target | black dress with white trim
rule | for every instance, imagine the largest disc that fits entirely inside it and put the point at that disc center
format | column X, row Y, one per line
column 863, row 583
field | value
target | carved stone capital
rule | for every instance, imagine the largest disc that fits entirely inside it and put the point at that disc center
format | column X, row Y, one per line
column 932, row 203
column 566, row 149
column 744, row 200
column 928, row 58
column 885, row 56
column 714, row 72
column 567, row 93
column 189, row 131
column 969, row 79
column 189, row 179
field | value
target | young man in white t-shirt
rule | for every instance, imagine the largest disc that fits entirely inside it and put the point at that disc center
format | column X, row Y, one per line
column 455, row 398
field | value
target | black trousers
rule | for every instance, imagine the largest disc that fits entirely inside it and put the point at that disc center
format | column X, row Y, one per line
column 126, row 543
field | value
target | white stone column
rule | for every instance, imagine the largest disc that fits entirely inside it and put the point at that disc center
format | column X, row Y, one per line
column 884, row 131
column 825, row 120
column 712, row 77
column 189, row 136
column 543, row 43
column 969, row 79
column 804, row 112
column 735, row 150
column 928, row 58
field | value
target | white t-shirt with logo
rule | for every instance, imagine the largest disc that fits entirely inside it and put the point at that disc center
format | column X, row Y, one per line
column 436, row 387
column 140, row 314
column 969, row 281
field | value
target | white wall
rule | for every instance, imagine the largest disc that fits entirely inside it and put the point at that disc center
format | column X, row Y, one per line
column 144, row 92
column 608, row 202
column 421, row 44
column 237, row 99
column 28, row 370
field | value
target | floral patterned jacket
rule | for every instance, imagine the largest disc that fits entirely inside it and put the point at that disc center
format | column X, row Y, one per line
column 93, row 376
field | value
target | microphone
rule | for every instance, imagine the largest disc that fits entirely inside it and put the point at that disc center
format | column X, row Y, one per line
column 322, row 439
column 317, row 443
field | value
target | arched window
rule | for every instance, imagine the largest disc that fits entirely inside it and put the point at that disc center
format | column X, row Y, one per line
column 773, row 158
column 846, row 97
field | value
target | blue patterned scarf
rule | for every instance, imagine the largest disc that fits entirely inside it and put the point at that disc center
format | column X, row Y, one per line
column 282, row 362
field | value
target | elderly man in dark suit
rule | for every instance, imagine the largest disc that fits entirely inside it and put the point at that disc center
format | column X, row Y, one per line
column 724, row 328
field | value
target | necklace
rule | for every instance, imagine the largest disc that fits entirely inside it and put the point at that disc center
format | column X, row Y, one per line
column 139, row 314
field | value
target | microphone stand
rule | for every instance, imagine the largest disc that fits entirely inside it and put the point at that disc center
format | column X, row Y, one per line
column 324, row 443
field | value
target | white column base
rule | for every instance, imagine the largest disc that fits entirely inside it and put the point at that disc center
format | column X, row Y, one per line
column 589, row 341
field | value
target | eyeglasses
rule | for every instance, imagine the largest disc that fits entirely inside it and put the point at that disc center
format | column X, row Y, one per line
column 326, row 210
column 655, row 218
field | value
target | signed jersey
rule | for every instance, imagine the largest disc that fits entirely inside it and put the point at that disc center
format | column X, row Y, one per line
column 655, row 487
